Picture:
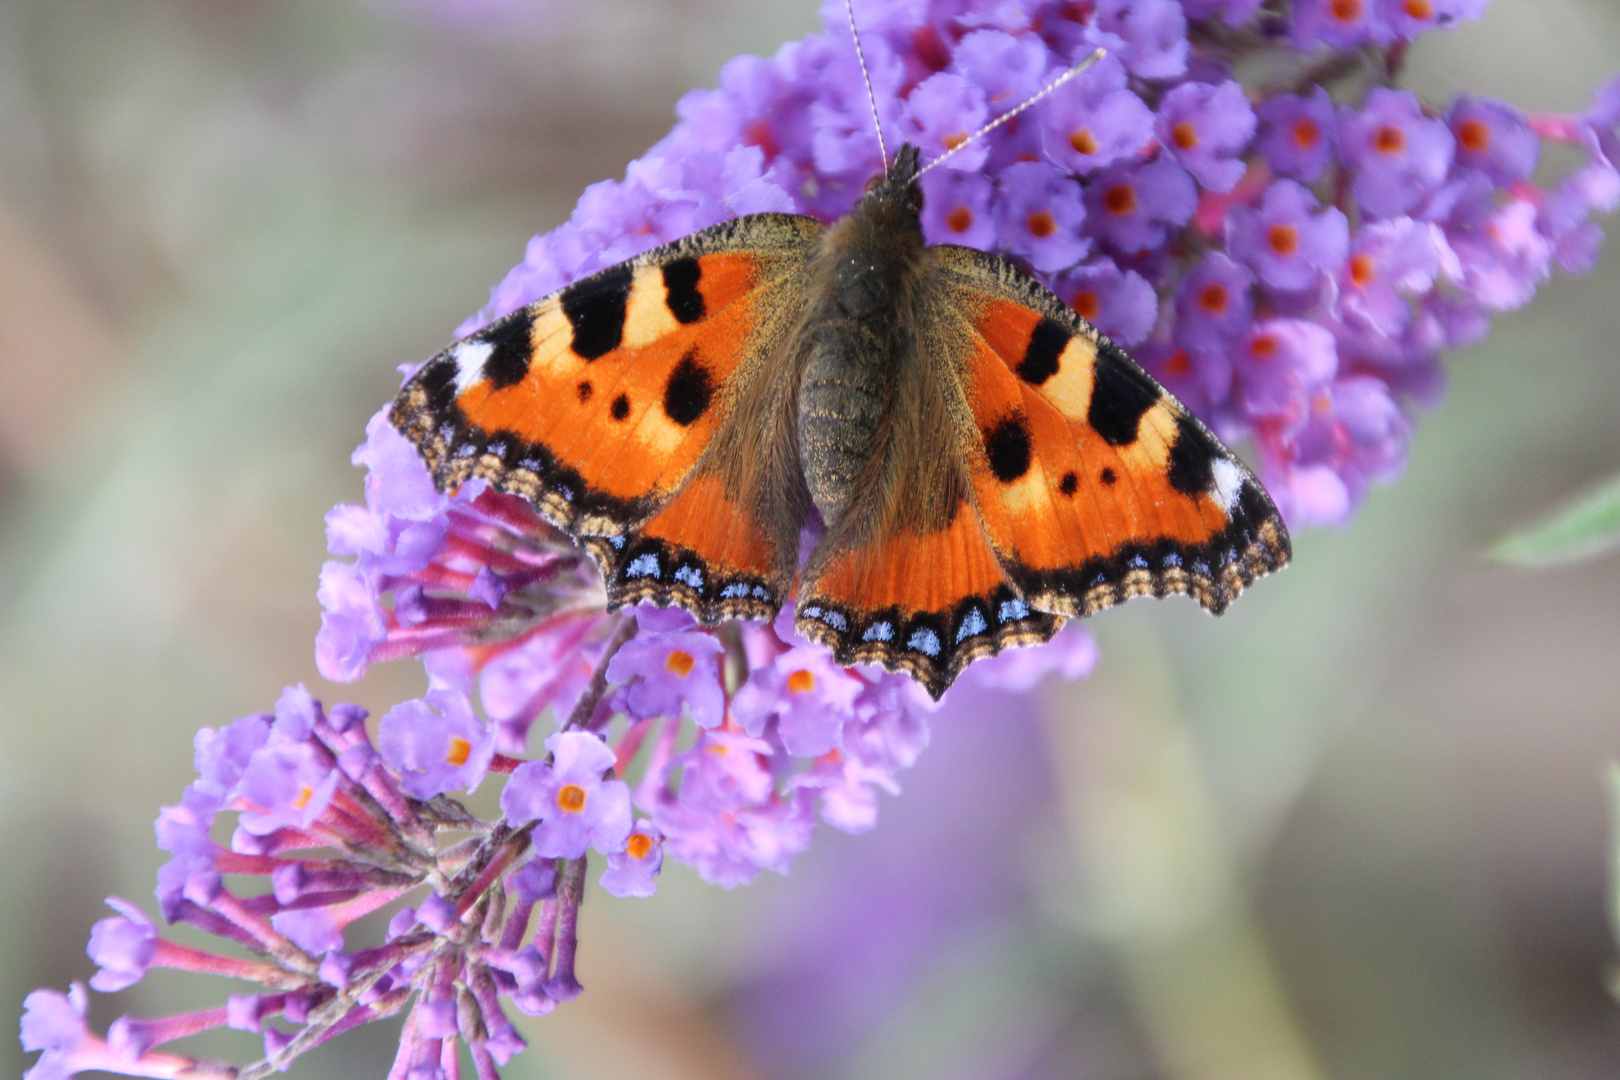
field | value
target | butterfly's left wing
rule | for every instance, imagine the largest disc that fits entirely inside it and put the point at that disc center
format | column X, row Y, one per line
column 635, row 409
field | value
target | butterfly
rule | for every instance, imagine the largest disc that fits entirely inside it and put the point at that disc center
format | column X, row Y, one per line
column 984, row 463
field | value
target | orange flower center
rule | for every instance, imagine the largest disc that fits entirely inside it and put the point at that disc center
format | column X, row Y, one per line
column 1264, row 346
column 1180, row 363
column 1041, row 224
column 680, row 662
column 638, row 845
column 801, row 682
column 1390, row 139
column 1283, row 239
column 1086, row 304
column 1475, row 136
column 1306, row 133
column 959, row 220
column 1421, row 10
column 1120, row 199
column 1213, row 298
column 1362, row 270
column 954, row 140
column 304, row 795
column 460, row 750
column 1346, row 11
column 571, row 797
column 1184, row 135
column 1083, row 141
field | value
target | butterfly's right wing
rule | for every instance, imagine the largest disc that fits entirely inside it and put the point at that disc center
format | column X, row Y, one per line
column 637, row 410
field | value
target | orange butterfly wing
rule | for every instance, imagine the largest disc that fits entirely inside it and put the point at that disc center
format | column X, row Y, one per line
column 1095, row 484
column 600, row 405
column 1085, row 483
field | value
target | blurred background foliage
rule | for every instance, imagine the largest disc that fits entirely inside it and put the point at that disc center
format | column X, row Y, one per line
column 1354, row 829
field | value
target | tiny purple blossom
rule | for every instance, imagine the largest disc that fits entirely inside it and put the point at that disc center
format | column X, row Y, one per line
column 1095, row 120
column 666, row 672
column 1494, row 137
column 634, row 871
column 809, row 697
column 1501, row 262
column 956, row 209
column 1118, row 302
column 1297, row 134
column 1213, row 303
column 1009, row 68
column 122, row 946
column 1408, row 19
column 287, row 784
column 1152, row 35
column 1286, row 240
column 1206, row 128
column 576, row 808
column 1398, row 154
column 726, row 771
column 1281, row 364
column 940, row 114
column 436, row 744
column 1039, row 213
column 1390, row 262
column 1132, row 207
column 1343, row 24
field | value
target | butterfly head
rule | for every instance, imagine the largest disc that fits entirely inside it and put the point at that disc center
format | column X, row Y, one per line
column 897, row 185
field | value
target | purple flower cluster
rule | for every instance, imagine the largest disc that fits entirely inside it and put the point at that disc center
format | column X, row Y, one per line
column 1290, row 262
column 1202, row 223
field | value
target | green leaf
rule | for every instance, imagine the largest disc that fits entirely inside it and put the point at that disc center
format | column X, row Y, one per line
column 1581, row 530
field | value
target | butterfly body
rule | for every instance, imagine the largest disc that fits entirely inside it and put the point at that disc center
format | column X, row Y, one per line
column 984, row 463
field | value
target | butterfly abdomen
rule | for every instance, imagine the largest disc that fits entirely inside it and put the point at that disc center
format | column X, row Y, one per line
column 857, row 334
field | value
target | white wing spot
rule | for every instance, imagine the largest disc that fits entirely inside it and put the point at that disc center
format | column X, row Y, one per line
column 469, row 357
column 879, row 631
column 1012, row 610
column 690, row 575
column 643, row 566
column 1228, row 483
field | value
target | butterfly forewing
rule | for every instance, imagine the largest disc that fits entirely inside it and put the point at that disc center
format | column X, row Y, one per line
column 1094, row 482
column 600, row 404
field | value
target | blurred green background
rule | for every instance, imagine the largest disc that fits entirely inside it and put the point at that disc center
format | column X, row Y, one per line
column 1354, row 829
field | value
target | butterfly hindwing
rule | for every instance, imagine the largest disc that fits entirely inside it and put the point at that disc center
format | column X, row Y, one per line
column 599, row 405
column 1095, row 484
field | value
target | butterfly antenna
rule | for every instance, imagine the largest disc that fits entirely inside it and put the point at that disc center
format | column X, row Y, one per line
column 871, row 98
column 1006, row 116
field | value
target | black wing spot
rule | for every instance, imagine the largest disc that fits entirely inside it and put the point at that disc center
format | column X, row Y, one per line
column 1007, row 447
column 1121, row 393
column 595, row 309
column 1192, row 459
column 1070, row 484
column 681, row 289
column 584, row 390
column 438, row 380
column 1108, row 476
column 511, row 344
column 620, row 407
column 1046, row 344
column 689, row 390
